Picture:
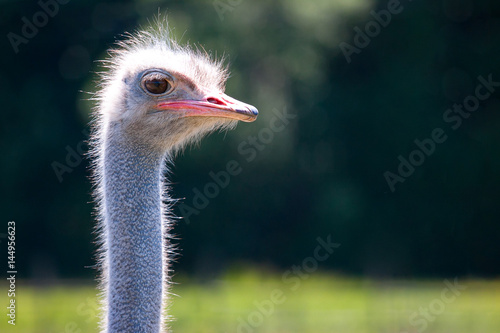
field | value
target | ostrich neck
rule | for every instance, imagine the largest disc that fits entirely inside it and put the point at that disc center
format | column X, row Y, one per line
column 134, row 239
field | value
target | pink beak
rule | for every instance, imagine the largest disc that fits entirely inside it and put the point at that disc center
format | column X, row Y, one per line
column 213, row 105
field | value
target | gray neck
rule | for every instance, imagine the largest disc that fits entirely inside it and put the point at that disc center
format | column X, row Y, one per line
column 134, row 235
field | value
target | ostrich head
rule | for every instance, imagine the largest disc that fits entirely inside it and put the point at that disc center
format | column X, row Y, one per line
column 165, row 95
column 155, row 97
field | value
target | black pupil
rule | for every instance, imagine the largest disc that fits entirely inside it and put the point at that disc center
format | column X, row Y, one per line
column 157, row 86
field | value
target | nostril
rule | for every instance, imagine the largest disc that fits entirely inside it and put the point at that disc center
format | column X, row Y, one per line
column 215, row 101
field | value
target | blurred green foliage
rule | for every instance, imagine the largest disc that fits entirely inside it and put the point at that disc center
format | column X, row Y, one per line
column 322, row 174
column 241, row 302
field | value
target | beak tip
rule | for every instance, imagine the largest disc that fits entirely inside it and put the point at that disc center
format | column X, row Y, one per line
column 250, row 111
column 253, row 110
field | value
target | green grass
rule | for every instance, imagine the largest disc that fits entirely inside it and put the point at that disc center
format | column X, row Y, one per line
column 320, row 303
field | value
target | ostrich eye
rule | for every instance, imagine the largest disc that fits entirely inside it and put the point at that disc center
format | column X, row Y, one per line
column 156, row 86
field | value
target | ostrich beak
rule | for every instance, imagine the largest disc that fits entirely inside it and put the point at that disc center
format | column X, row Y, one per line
column 212, row 105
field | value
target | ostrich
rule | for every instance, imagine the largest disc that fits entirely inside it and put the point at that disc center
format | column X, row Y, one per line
column 155, row 97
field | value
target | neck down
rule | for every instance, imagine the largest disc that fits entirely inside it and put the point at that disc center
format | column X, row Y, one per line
column 134, row 236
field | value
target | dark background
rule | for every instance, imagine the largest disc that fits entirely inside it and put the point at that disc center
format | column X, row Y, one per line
column 322, row 175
